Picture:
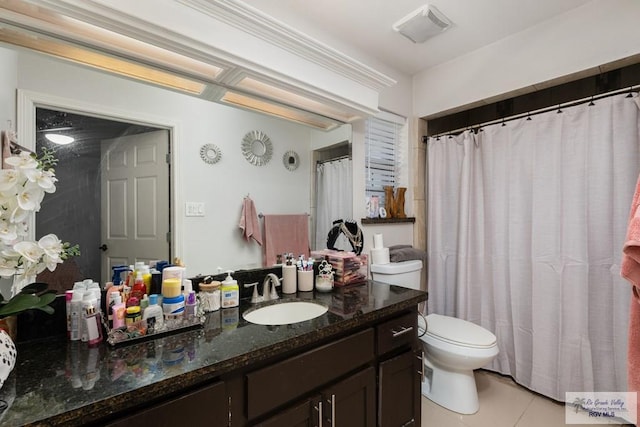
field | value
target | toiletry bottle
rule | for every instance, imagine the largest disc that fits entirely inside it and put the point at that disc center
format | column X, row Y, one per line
column 144, row 303
column 153, row 315
column 171, row 288
column 173, row 308
column 146, row 278
column 118, row 312
column 68, row 295
column 289, row 285
column 93, row 326
column 87, row 301
column 133, row 315
column 191, row 306
column 76, row 314
column 139, row 288
column 230, row 292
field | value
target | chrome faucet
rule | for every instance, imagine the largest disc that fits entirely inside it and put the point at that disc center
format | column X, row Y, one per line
column 275, row 282
column 266, row 295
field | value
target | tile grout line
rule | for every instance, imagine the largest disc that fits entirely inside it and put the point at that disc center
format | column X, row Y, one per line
column 533, row 397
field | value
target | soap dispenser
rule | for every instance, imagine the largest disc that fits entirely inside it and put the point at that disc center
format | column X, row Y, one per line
column 230, row 292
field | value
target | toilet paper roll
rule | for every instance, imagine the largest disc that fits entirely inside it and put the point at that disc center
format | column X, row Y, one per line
column 380, row 256
column 377, row 241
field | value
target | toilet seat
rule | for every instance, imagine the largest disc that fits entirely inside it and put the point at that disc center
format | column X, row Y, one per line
column 459, row 332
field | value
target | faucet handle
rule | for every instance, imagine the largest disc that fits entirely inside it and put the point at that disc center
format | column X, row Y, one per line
column 255, row 298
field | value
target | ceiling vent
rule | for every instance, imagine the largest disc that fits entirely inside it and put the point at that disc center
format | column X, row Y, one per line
column 422, row 24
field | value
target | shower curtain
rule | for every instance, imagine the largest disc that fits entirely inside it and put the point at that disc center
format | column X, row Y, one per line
column 334, row 199
column 525, row 226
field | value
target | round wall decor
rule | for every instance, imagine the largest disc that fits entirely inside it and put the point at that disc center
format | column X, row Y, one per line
column 257, row 148
column 291, row 160
column 210, row 153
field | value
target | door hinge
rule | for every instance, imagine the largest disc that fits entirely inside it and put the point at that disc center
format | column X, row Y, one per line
column 167, row 158
column 168, row 237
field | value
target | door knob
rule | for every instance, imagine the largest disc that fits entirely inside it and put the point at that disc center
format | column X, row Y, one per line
column 103, row 247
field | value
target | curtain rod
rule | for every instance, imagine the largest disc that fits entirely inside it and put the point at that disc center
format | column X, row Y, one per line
column 346, row 156
column 477, row 127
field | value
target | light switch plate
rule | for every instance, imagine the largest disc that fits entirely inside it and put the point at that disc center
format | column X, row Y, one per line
column 194, row 209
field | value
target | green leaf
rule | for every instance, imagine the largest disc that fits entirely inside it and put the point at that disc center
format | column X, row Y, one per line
column 34, row 288
column 47, row 309
column 22, row 302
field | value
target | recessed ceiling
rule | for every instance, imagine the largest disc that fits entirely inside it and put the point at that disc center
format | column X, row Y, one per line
column 84, row 129
column 365, row 26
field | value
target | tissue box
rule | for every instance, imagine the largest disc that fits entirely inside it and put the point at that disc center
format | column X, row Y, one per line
column 348, row 268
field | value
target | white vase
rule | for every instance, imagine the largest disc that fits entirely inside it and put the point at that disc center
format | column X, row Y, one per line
column 20, row 281
column 8, row 355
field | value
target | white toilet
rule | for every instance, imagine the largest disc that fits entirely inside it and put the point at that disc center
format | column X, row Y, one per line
column 453, row 347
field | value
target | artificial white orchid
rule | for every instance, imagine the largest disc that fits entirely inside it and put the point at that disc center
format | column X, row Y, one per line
column 22, row 190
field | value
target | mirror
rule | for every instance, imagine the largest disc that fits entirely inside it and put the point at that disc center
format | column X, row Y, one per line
column 209, row 238
column 257, row 148
column 104, row 199
column 291, row 160
column 210, row 153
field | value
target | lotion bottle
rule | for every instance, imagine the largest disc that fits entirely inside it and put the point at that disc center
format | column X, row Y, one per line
column 93, row 326
column 118, row 312
column 153, row 315
column 230, row 292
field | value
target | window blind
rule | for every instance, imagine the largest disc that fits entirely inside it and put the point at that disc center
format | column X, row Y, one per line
column 382, row 137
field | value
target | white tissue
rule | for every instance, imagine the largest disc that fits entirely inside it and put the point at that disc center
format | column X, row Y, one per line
column 377, row 241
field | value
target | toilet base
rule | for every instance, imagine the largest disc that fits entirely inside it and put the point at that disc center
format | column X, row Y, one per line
column 453, row 390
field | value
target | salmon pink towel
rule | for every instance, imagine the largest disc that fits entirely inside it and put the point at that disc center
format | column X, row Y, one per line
column 630, row 270
column 249, row 221
column 285, row 234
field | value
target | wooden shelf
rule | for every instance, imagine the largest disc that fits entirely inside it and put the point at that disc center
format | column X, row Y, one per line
column 366, row 221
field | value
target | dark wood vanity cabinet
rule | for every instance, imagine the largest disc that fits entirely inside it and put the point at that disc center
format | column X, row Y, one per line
column 368, row 378
column 384, row 391
column 350, row 402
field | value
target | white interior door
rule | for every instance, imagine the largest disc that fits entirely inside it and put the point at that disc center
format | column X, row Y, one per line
column 135, row 200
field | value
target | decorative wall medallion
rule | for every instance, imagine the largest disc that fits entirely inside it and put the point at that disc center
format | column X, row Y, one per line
column 210, row 153
column 291, row 160
column 257, row 148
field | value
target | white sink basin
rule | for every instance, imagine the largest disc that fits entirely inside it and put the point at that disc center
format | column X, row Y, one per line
column 285, row 313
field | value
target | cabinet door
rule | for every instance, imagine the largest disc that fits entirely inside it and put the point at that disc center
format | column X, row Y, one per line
column 399, row 396
column 305, row 414
column 352, row 402
column 204, row 407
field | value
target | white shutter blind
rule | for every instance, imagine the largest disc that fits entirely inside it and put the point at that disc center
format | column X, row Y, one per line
column 381, row 155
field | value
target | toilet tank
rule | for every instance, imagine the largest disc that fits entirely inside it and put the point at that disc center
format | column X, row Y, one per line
column 405, row 273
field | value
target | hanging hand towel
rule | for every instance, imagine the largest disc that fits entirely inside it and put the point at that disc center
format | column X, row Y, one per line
column 249, row 221
column 630, row 270
column 285, row 233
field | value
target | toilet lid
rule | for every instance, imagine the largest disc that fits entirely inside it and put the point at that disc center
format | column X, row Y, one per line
column 459, row 332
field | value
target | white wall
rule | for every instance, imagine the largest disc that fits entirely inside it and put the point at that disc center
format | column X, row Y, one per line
column 9, row 77
column 597, row 33
column 213, row 240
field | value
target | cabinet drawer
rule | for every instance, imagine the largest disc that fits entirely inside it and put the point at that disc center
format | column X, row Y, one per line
column 397, row 332
column 285, row 381
column 204, row 407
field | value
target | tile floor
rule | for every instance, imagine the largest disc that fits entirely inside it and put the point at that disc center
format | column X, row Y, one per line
column 503, row 403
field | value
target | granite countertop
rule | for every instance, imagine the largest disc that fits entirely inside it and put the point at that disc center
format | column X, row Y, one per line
column 59, row 382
